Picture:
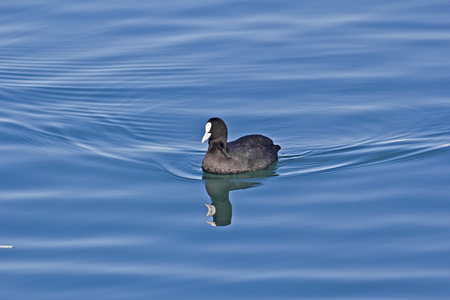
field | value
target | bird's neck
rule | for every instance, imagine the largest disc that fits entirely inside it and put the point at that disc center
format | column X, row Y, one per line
column 217, row 145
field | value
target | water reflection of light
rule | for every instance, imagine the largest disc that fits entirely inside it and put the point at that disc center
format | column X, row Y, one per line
column 218, row 188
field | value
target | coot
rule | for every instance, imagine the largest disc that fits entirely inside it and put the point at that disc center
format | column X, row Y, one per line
column 248, row 153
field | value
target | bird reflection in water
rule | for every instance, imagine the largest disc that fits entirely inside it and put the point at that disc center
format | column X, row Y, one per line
column 218, row 188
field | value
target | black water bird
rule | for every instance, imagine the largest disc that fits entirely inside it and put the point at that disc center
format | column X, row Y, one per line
column 248, row 153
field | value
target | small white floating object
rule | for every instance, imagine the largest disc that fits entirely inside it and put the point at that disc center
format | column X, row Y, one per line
column 6, row 246
column 211, row 223
column 211, row 210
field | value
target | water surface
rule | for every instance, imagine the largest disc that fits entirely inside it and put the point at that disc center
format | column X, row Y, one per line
column 103, row 109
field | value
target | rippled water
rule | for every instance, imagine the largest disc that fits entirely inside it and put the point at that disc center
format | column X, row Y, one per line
column 103, row 109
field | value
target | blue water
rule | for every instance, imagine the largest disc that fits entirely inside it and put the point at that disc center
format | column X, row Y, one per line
column 103, row 107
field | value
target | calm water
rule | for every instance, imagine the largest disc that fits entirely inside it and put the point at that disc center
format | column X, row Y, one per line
column 103, row 106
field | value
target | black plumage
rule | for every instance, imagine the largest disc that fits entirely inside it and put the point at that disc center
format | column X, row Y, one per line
column 248, row 153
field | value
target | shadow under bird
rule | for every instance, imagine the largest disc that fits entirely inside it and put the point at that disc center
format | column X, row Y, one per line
column 246, row 154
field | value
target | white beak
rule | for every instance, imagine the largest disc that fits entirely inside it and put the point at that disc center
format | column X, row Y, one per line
column 207, row 133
